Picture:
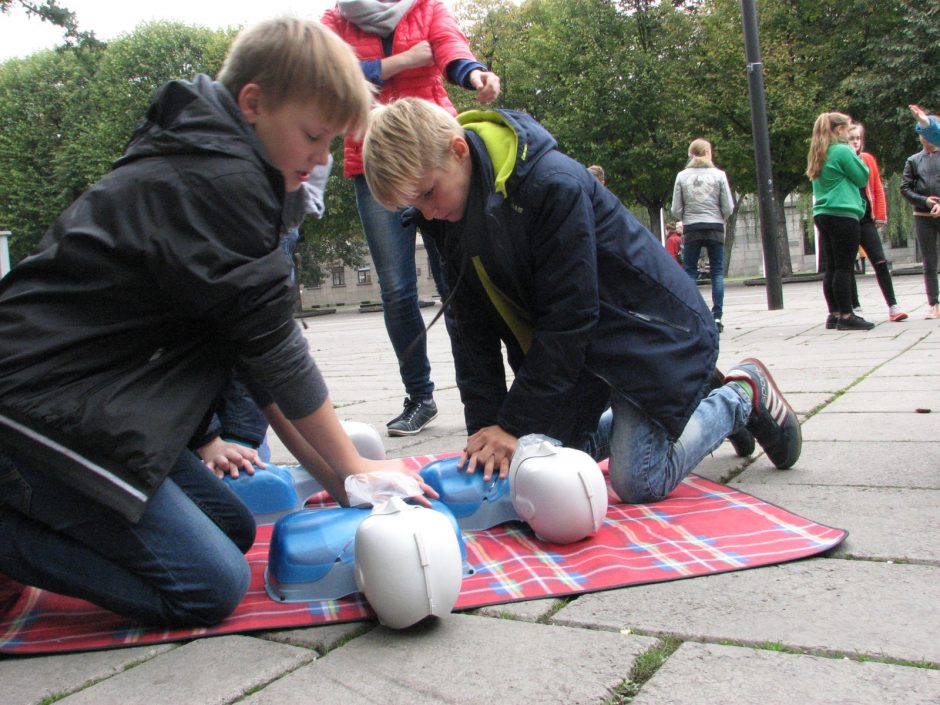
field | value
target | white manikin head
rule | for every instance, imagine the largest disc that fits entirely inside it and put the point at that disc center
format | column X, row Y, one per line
column 560, row 492
column 408, row 563
column 366, row 439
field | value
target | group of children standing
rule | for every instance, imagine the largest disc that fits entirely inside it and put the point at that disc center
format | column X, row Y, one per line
column 166, row 276
column 849, row 211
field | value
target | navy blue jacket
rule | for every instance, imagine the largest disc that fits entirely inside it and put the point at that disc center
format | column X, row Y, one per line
column 587, row 302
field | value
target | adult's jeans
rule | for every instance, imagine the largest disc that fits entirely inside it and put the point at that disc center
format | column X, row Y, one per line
column 691, row 250
column 392, row 246
column 839, row 237
column 644, row 465
column 182, row 564
column 927, row 230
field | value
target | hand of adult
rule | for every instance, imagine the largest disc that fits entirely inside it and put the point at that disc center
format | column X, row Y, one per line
column 486, row 84
column 492, row 448
column 919, row 114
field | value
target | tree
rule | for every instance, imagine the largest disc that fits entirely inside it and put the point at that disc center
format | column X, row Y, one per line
column 602, row 76
column 809, row 49
column 50, row 11
column 34, row 125
column 902, row 69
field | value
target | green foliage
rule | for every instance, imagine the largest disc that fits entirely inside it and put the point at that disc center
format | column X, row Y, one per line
column 35, row 124
column 900, row 214
column 338, row 236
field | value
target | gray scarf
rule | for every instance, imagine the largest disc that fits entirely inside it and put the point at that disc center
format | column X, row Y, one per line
column 375, row 16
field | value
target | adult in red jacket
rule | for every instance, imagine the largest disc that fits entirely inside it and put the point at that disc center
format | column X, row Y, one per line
column 874, row 221
column 406, row 48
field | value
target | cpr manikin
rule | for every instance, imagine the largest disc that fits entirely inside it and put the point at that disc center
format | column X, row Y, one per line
column 560, row 492
column 408, row 563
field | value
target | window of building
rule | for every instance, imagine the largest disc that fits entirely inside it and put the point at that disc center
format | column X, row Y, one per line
column 339, row 276
column 364, row 276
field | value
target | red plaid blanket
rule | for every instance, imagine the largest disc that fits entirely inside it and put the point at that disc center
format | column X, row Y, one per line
column 701, row 528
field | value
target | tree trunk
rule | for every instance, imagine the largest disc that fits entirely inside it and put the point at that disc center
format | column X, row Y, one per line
column 783, row 241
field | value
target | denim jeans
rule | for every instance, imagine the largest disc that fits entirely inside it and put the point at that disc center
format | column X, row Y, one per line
column 392, row 246
column 644, row 465
column 927, row 231
column 182, row 564
column 716, row 263
column 289, row 242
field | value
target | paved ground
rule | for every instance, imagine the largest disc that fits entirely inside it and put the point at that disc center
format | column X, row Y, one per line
column 858, row 626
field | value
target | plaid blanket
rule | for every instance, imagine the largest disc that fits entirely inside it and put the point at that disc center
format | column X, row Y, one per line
column 700, row 529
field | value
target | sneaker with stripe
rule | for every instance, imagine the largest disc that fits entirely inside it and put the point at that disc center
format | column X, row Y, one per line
column 773, row 422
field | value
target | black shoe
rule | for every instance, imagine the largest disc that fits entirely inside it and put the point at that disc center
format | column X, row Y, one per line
column 853, row 322
column 831, row 321
column 417, row 414
column 773, row 422
column 742, row 440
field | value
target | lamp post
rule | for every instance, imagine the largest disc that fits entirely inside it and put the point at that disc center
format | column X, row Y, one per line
column 765, row 179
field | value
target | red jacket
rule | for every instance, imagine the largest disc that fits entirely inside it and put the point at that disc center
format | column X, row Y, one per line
column 427, row 20
column 875, row 191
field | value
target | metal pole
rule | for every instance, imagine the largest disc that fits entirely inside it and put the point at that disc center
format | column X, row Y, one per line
column 765, row 179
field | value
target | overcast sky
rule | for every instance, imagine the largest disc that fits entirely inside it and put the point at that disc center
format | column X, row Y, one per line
column 21, row 35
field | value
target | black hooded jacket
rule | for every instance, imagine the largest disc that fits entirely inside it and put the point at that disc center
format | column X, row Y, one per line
column 117, row 336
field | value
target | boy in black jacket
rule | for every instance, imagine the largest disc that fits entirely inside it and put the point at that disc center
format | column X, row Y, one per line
column 118, row 335
column 543, row 259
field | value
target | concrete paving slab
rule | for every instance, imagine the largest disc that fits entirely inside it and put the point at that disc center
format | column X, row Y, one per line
column 31, row 680
column 703, row 674
column 832, row 426
column 526, row 611
column 321, row 639
column 826, row 605
column 887, row 403
column 218, row 671
column 879, row 382
column 853, row 463
column 883, row 523
column 465, row 659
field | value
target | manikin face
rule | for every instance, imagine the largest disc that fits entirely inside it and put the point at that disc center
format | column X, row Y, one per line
column 295, row 136
column 856, row 139
column 443, row 191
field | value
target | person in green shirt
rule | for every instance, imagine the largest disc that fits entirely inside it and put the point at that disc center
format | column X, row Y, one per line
column 837, row 174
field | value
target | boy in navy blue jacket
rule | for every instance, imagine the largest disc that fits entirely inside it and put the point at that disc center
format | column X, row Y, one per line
column 120, row 332
column 593, row 313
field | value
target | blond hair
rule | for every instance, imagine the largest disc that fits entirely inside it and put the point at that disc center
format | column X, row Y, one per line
column 598, row 171
column 700, row 154
column 823, row 136
column 405, row 140
column 295, row 60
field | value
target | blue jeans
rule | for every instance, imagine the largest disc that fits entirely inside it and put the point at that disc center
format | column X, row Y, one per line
column 182, row 564
column 392, row 246
column 716, row 263
column 289, row 241
column 644, row 465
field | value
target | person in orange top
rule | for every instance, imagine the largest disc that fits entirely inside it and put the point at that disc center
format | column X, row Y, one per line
column 874, row 221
